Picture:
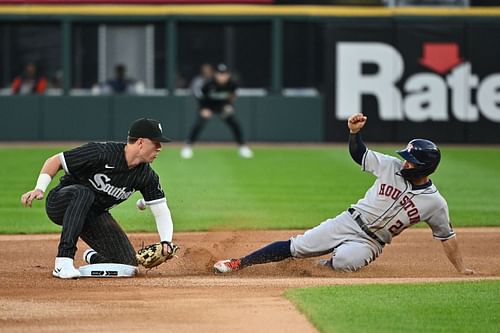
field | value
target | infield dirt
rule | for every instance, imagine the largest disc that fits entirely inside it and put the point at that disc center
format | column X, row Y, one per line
column 185, row 296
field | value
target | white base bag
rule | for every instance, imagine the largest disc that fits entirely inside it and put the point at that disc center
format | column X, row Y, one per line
column 107, row 270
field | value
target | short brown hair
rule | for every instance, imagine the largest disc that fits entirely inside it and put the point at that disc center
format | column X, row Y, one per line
column 131, row 140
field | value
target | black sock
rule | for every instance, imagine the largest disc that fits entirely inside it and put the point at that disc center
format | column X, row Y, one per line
column 276, row 251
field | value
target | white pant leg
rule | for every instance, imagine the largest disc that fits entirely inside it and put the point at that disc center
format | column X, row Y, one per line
column 323, row 238
column 351, row 248
column 352, row 255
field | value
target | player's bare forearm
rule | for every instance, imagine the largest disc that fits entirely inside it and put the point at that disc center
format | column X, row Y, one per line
column 51, row 166
column 452, row 251
column 49, row 169
column 356, row 122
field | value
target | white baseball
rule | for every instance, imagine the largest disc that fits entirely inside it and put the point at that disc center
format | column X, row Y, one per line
column 141, row 204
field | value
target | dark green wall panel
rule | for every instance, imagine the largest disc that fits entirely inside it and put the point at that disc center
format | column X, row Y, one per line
column 76, row 118
column 20, row 118
column 288, row 119
column 168, row 110
column 108, row 118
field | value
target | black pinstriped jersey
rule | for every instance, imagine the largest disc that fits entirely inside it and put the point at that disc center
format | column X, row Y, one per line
column 103, row 168
column 216, row 95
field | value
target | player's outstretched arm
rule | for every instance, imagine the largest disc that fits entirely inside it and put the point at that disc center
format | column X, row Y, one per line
column 50, row 168
column 357, row 148
column 452, row 251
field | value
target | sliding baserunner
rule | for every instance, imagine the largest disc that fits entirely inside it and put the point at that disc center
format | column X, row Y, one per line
column 402, row 196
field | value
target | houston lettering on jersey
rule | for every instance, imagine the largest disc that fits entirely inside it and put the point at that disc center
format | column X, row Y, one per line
column 408, row 205
column 389, row 191
column 101, row 183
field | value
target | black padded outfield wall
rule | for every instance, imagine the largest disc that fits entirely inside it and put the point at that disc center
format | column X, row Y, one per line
column 438, row 79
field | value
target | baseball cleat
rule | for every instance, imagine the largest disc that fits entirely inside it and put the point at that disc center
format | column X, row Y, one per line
column 187, row 152
column 245, row 152
column 64, row 269
column 226, row 266
column 87, row 255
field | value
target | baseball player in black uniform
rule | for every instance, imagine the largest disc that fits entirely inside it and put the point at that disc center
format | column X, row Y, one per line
column 99, row 176
column 218, row 96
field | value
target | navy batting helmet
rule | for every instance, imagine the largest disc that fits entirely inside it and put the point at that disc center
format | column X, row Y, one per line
column 424, row 154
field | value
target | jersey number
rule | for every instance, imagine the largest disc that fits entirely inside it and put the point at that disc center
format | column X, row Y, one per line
column 396, row 228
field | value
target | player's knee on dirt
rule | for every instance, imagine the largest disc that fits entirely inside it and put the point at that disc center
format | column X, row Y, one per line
column 351, row 256
column 344, row 264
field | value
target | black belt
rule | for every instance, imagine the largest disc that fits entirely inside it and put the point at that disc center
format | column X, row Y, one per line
column 363, row 226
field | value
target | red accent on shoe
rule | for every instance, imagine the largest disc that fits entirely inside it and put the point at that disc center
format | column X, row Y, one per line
column 234, row 264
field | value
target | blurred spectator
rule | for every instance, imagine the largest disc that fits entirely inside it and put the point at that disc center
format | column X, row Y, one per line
column 120, row 84
column 30, row 82
column 206, row 73
column 56, row 80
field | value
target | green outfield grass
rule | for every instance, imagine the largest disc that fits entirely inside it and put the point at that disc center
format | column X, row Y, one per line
column 282, row 187
column 451, row 307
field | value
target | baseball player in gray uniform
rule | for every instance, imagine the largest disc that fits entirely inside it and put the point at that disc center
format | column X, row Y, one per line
column 401, row 196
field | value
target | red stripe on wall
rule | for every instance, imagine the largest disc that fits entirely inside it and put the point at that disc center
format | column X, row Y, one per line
column 136, row 2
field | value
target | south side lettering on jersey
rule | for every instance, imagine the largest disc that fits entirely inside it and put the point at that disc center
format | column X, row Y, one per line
column 101, row 183
column 407, row 204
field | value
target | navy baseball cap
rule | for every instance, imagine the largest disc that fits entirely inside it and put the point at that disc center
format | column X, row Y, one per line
column 147, row 128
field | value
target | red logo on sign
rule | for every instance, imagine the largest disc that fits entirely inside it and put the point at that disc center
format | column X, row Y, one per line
column 440, row 57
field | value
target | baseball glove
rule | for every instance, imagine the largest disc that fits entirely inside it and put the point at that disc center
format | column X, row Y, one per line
column 152, row 255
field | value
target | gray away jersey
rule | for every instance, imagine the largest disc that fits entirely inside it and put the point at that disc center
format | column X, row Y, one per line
column 102, row 167
column 390, row 205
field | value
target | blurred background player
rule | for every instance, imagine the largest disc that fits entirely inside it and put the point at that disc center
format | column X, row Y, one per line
column 217, row 96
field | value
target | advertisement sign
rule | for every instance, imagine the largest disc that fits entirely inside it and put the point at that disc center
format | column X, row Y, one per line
column 417, row 80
